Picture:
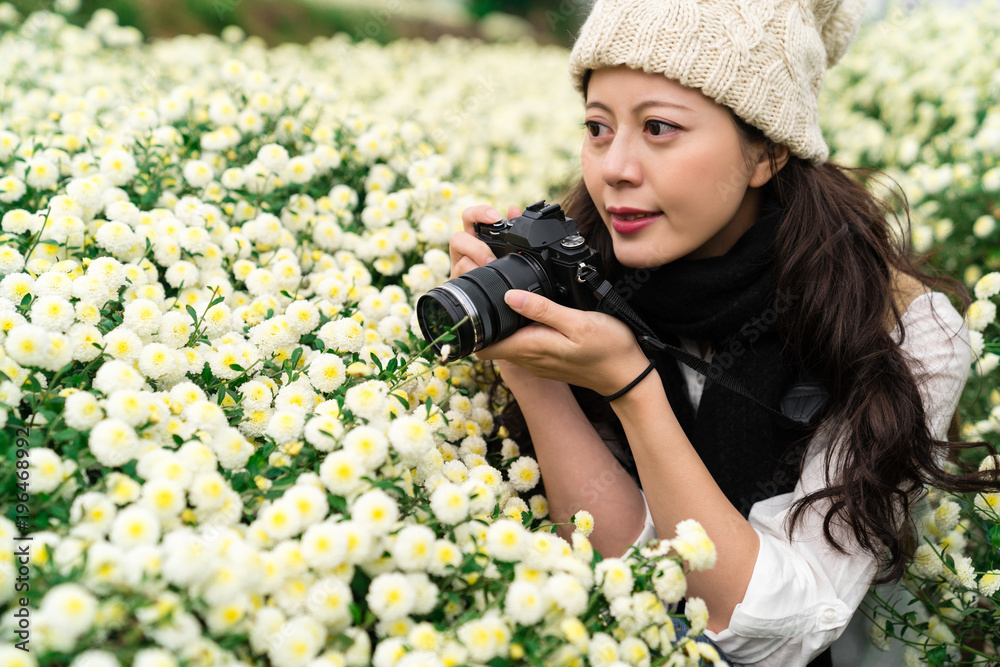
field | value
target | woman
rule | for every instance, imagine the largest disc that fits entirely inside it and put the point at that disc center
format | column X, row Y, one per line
column 706, row 188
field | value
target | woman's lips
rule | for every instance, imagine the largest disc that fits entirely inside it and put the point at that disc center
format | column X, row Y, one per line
column 630, row 220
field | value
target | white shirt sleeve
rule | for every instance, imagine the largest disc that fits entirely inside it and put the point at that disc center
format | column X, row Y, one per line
column 802, row 592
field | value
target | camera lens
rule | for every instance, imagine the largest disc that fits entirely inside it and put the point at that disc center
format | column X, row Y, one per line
column 477, row 298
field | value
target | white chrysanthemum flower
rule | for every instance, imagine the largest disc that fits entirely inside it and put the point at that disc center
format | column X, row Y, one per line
column 70, row 607
column 142, row 316
column 368, row 400
column 567, row 593
column 584, row 522
column 696, row 612
column 445, row 557
column 28, row 345
column 86, row 342
column 11, row 261
column 669, row 581
column 256, row 395
column 157, row 361
column 524, row 474
column 368, row 444
column 323, row 431
column 412, row 547
column 198, row 173
column 54, row 283
column 299, row 170
column 302, row 316
column 602, row 650
column 988, row 286
column 989, row 583
column 279, row 520
column 391, row 596
column 45, row 469
column 41, row 173
column 947, row 515
column 309, row 500
column 273, row 156
column 327, row 372
column 54, row 313
column 926, row 562
column 113, row 443
column 965, row 572
column 693, row 545
column 376, row 510
column 116, row 374
column 204, row 414
column 342, row 472
column 175, row 329
column 411, row 437
column 324, row 545
column 285, row 426
column 329, row 601
column 615, row 578
column 12, row 189
column 525, row 603
column 118, row 166
column 232, row 448
column 116, row 237
column 981, row 313
column 133, row 526
column 450, row 503
column 164, row 497
column 208, row 490
column 15, row 286
column 343, row 335
column 82, row 411
column 506, row 540
column 129, row 406
column 123, row 344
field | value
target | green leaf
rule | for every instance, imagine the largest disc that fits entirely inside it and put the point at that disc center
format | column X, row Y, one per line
column 191, row 311
column 936, row 657
column 994, row 534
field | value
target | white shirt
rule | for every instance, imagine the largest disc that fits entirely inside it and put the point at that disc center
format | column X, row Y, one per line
column 802, row 593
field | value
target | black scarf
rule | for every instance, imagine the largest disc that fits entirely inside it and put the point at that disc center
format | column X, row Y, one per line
column 729, row 301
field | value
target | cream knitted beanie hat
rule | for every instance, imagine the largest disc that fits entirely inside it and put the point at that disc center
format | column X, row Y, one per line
column 764, row 59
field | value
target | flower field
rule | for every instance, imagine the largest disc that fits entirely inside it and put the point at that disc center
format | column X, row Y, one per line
column 225, row 442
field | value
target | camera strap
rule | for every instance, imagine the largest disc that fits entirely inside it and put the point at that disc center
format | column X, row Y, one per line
column 802, row 404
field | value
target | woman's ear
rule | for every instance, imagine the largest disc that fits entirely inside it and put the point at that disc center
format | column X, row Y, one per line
column 763, row 170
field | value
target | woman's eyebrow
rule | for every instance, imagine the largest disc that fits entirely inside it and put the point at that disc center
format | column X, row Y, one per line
column 641, row 106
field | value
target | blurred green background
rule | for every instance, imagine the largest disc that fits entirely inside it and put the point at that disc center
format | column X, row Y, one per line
column 278, row 21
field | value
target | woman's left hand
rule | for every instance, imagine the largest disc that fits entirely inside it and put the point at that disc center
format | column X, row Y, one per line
column 583, row 348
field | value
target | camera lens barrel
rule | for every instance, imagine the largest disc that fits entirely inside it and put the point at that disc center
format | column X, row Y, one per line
column 477, row 298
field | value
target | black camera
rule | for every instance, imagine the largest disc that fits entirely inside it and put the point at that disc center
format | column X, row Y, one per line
column 541, row 251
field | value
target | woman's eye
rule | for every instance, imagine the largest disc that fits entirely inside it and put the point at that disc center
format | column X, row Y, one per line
column 594, row 128
column 659, row 127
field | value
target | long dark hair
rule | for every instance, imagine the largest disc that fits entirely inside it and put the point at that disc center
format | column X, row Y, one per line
column 836, row 248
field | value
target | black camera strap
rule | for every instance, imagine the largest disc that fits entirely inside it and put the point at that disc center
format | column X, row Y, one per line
column 802, row 404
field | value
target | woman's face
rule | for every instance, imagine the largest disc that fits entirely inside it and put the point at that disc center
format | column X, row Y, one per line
column 664, row 166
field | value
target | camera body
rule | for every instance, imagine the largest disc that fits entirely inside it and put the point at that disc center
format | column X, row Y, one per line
column 540, row 251
column 544, row 233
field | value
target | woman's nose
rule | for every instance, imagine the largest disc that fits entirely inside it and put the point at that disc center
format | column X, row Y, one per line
column 620, row 165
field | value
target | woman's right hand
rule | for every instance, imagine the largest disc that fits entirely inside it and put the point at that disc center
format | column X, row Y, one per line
column 468, row 252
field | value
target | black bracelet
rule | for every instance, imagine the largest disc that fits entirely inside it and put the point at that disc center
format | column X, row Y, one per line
column 618, row 394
